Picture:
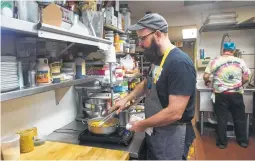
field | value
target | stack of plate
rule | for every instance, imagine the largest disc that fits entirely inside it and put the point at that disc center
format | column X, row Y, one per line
column 9, row 73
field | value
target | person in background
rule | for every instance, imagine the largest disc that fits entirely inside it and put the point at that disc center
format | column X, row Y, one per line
column 170, row 92
column 229, row 75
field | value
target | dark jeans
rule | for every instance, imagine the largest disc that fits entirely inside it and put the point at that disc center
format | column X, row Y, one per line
column 233, row 103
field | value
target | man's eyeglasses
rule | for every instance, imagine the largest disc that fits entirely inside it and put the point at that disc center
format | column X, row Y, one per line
column 141, row 39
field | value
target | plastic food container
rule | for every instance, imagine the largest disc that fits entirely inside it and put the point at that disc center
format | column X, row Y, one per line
column 26, row 140
column 11, row 147
column 132, row 48
column 126, row 48
column 132, row 41
column 109, row 37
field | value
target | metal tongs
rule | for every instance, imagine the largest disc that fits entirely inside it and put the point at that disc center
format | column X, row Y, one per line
column 106, row 118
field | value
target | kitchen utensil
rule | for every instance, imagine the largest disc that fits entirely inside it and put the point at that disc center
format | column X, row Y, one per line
column 124, row 117
column 95, row 107
column 10, row 147
column 91, row 114
column 103, row 130
column 107, row 118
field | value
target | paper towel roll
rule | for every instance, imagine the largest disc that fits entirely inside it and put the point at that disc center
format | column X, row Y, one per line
column 110, row 55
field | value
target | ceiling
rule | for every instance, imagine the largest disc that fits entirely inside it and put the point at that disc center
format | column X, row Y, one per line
column 167, row 8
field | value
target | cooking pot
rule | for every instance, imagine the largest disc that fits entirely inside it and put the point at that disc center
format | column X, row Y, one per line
column 124, row 118
column 103, row 130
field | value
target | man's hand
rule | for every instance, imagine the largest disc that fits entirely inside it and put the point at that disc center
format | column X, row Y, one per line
column 207, row 83
column 137, row 126
column 206, row 79
column 120, row 105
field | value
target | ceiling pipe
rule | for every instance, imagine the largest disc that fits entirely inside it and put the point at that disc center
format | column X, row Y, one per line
column 223, row 40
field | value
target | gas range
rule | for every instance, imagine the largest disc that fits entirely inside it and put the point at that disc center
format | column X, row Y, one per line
column 121, row 136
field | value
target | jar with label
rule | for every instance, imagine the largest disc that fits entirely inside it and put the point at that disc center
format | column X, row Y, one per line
column 116, row 38
column 80, row 66
column 55, row 67
column 117, row 47
column 119, row 73
column 126, row 48
column 132, row 48
column 43, row 71
column 122, row 43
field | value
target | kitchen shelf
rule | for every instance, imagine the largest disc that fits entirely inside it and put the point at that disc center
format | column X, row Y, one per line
column 241, row 26
column 113, row 28
column 18, row 25
column 56, row 33
column 124, row 54
column 43, row 88
column 52, row 32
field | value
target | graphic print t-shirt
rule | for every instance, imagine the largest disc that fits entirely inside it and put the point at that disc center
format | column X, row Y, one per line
column 227, row 73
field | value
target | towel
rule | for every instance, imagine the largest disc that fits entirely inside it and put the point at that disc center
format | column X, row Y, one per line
column 134, row 118
column 213, row 97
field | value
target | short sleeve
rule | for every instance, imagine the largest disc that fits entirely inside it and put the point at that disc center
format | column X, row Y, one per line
column 208, row 69
column 182, row 79
column 246, row 71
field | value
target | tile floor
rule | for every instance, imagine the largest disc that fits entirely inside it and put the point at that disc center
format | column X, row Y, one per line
column 232, row 152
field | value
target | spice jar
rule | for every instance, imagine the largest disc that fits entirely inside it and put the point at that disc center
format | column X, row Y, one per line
column 126, row 48
column 116, row 38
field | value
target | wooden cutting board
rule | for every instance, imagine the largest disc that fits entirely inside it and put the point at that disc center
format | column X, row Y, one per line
column 64, row 151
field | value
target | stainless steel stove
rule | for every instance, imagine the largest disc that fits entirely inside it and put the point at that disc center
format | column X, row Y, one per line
column 121, row 136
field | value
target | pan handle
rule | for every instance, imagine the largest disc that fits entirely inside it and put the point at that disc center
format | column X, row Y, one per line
column 85, row 121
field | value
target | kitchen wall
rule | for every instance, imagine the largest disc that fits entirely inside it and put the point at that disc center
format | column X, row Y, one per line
column 38, row 110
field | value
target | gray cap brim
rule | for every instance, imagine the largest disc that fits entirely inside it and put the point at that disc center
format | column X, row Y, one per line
column 135, row 27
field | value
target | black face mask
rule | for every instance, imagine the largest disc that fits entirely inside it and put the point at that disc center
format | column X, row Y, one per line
column 152, row 54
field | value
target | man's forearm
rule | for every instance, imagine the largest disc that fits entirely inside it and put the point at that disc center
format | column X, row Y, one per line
column 245, row 79
column 139, row 89
column 162, row 118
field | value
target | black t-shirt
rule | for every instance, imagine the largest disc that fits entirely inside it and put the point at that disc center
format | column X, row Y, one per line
column 178, row 77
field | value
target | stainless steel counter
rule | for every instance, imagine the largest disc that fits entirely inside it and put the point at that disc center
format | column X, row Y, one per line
column 70, row 133
column 205, row 103
column 205, row 89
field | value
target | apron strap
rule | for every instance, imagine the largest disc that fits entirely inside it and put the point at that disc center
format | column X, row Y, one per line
column 166, row 53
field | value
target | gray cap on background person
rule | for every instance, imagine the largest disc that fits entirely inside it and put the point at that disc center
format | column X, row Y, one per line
column 153, row 21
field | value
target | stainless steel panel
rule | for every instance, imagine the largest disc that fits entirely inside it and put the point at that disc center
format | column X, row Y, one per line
column 205, row 103
column 248, row 101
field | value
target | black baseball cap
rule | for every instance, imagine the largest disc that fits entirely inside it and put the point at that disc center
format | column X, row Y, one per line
column 152, row 21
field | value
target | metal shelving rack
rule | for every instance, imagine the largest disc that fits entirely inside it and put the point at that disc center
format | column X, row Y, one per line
column 113, row 28
column 54, row 33
column 241, row 26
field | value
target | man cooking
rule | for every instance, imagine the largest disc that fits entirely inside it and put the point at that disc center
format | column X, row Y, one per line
column 229, row 75
column 170, row 92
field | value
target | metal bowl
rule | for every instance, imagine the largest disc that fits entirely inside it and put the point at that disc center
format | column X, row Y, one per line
column 91, row 114
column 95, row 101
column 103, row 130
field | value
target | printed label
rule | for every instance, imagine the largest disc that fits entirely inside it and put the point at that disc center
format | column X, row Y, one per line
column 42, row 77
